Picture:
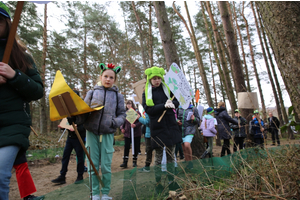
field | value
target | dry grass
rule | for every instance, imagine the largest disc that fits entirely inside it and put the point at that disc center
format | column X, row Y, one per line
column 272, row 175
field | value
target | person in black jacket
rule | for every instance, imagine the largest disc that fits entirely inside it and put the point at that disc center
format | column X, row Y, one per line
column 20, row 83
column 166, row 133
column 72, row 143
column 273, row 128
column 238, row 131
column 223, row 120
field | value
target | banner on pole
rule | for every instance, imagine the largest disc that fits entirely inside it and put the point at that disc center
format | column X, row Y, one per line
column 179, row 86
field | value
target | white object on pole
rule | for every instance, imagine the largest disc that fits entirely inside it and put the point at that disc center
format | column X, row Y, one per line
column 179, row 85
column 164, row 161
column 132, row 140
column 62, row 134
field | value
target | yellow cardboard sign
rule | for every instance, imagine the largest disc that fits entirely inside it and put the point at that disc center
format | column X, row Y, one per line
column 59, row 87
column 132, row 115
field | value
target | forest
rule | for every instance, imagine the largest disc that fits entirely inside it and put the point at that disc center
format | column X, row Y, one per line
column 226, row 48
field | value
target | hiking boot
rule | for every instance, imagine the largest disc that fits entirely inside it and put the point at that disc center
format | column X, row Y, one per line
column 273, row 144
column 124, row 164
column 79, row 179
column 105, row 197
column 32, row 197
column 59, row 180
column 145, row 169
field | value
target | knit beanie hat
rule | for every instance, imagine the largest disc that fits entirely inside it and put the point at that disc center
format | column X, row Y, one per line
column 209, row 110
column 152, row 72
column 4, row 10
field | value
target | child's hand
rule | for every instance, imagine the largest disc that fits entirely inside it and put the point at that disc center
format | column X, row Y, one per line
column 192, row 117
column 71, row 129
column 6, row 71
column 123, row 130
column 133, row 125
column 59, row 126
column 2, row 80
column 179, row 123
column 169, row 104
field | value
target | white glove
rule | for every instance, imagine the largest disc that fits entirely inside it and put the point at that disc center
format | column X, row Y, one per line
column 169, row 104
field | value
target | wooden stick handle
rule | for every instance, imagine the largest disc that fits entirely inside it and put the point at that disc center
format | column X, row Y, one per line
column 34, row 131
column 12, row 32
column 164, row 112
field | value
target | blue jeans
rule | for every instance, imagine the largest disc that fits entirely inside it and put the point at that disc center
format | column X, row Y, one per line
column 8, row 156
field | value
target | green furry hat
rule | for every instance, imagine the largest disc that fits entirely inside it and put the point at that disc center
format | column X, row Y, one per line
column 152, row 72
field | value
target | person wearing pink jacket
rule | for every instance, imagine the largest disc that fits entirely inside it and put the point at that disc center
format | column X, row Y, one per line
column 209, row 131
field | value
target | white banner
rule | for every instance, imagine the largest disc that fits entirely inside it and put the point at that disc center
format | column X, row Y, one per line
column 179, row 86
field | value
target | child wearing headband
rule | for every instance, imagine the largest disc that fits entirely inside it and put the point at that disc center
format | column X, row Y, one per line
column 101, row 126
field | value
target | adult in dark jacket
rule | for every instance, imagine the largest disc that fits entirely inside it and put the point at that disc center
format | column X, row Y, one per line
column 156, row 100
column 257, row 128
column 223, row 120
column 274, row 125
column 126, row 130
column 72, row 143
column 20, row 83
column 238, row 130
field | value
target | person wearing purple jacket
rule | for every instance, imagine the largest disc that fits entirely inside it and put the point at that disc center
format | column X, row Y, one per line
column 126, row 130
column 209, row 130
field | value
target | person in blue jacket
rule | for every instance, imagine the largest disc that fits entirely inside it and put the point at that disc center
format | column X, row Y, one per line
column 257, row 128
column 146, row 121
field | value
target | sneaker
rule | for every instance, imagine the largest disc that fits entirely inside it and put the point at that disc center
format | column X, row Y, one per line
column 96, row 197
column 59, row 180
column 105, row 197
column 145, row 169
column 140, row 153
column 79, row 179
column 32, row 197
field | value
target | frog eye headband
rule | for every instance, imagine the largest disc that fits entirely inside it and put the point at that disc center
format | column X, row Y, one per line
column 109, row 66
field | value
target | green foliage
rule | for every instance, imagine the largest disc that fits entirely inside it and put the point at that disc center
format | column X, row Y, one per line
column 292, row 121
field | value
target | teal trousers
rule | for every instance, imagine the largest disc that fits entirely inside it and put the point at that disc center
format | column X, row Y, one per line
column 101, row 153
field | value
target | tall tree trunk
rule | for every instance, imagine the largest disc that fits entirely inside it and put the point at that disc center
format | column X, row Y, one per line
column 165, row 31
column 267, row 66
column 243, row 51
column 141, row 34
column 197, row 54
column 43, row 107
column 234, row 56
column 150, row 46
column 228, row 85
column 283, row 111
column 209, row 36
column 278, row 106
column 281, row 20
column 255, row 69
column 231, row 20
column 213, row 79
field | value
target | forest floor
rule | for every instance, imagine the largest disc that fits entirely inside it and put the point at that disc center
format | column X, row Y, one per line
column 43, row 171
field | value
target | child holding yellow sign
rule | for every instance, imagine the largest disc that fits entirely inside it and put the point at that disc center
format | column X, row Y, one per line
column 128, row 139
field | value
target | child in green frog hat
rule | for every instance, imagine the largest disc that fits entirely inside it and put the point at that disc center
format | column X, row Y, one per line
column 166, row 133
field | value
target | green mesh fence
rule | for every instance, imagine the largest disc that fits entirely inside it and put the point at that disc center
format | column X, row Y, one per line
column 134, row 184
